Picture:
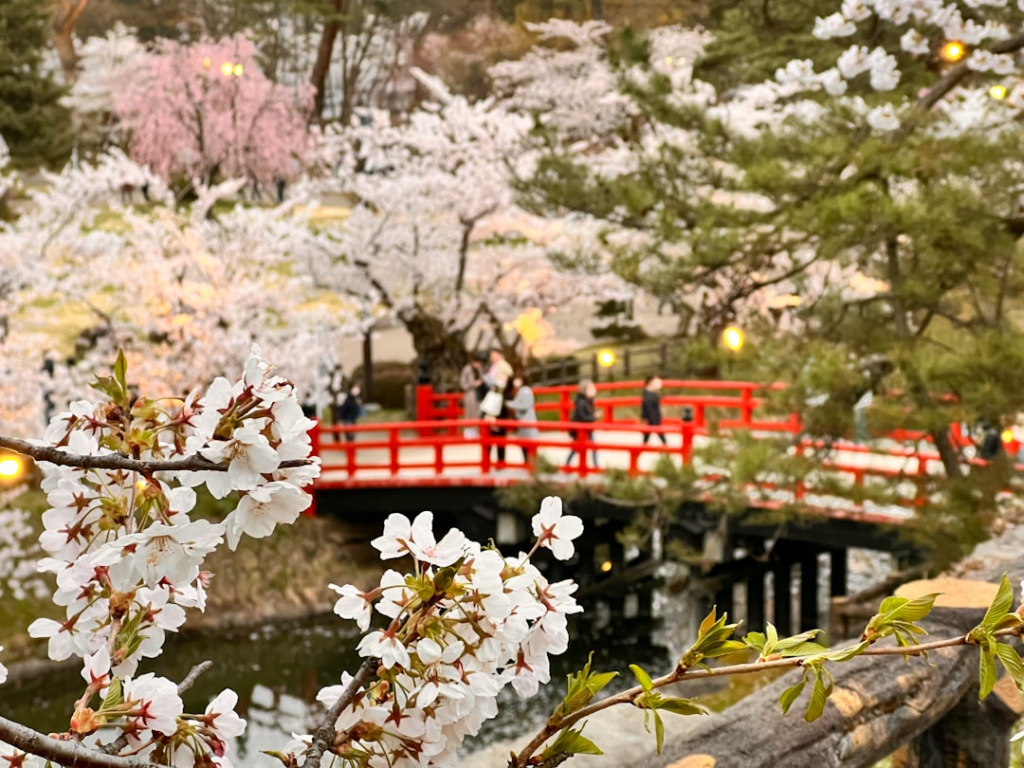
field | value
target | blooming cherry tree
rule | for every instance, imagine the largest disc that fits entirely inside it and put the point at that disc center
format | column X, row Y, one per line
column 207, row 111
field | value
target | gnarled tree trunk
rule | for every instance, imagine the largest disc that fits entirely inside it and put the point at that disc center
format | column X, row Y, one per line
column 66, row 14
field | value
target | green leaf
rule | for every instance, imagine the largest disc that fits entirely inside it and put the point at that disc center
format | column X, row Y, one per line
column 114, row 697
column 659, row 731
column 581, row 689
column 642, row 677
column 708, row 622
column 791, row 694
column 679, row 706
column 819, row 695
column 1012, row 662
column 571, row 742
column 755, row 640
column 1001, row 605
column 986, row 673
column 120, row 370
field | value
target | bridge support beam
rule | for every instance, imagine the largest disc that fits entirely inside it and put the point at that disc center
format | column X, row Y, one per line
column 839, row 573
column 782, row 576
column 808, row 592
column 755, row 600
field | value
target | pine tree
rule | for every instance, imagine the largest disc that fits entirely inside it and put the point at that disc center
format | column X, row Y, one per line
column 897, row 245
column 32, row 121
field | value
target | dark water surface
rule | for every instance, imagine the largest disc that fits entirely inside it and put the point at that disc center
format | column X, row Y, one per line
column 277, row 669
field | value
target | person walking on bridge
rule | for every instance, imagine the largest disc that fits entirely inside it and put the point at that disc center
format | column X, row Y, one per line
column 583, row 411
column 650, row 407
column 471, row 381
column 522, row 407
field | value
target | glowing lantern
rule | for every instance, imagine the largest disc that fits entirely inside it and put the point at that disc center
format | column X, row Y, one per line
column 732, row 338
column 954, row 50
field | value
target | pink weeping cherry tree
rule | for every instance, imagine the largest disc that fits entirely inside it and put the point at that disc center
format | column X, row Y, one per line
column 207, row 111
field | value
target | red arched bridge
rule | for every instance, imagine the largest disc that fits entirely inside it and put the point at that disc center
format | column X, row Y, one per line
column 440, row 449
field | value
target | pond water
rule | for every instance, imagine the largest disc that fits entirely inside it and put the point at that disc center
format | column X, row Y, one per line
column 278, row 669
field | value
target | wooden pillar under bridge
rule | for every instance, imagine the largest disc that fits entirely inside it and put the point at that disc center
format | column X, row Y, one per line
column 724, row 601
column 782, row 576
column 809, row 591
column 839, row 573
column 755, row 600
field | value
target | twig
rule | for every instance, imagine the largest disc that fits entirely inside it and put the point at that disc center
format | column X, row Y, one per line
column 122, row 741
column 324, row 736
column 70, row 754
column 683, row 673
column 195, row 463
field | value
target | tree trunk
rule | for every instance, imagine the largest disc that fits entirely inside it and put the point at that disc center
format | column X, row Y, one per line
column 442, row 351
column 318, row 78
column 878, row 705
column 66, row 15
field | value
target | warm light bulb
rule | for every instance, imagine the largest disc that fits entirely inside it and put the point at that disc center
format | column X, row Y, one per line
column 997, row 91
column 954, row 50
column 238, row 70
column 606, row 358
column 226, row 68
column 606, row 566
column 10, row 467
column 732, row 337
column 206, row 62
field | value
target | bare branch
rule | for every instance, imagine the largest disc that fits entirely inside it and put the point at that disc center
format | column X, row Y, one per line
column 51, row 455
column 71, row 754
column 325, row 734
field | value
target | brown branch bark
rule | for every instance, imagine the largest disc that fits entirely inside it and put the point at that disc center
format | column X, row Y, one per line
column 70, row 754
column 324, row 737
column 51, row 455
column 66, row 16
column 318, row 78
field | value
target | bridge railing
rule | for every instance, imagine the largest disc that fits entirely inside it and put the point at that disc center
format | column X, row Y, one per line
column 723, row 404
column 447, row 453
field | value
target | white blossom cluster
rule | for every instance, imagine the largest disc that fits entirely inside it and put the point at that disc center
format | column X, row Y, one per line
column 128, row 556
column 19, row 554
column 463, row 623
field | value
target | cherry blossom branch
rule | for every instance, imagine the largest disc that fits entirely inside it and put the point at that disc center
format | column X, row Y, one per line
column 189, row 680
column 326, row 733
column 682, row 673
column 71, row 754
column 53, row 455
column 952, row 78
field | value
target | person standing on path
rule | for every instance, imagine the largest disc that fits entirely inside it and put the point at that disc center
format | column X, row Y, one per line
column 650, row 407
column 522, row 407
column 351, row 409
column 584, row 411
column 471, row 380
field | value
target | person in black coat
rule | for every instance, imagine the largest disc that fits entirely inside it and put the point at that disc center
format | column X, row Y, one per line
column 585, row 412
column 351, row 409
column 650, row 407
